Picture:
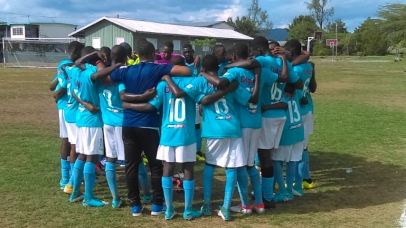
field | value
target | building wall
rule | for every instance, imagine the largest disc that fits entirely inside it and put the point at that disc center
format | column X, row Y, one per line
column 55, row 30
column 108, row 33
column 161, row 39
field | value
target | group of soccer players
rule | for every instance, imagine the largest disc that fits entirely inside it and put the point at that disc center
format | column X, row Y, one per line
column 256, row 111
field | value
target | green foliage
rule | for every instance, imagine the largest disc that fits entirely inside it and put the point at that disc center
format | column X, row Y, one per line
column 370, row 38
column 319, row 11
column 341, row 28
column 255, row 21
column 206, row 43
column 393, row 23
column 302, row 27
column 319, row 49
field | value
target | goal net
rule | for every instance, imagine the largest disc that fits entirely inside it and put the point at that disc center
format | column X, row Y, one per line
column 35, row 53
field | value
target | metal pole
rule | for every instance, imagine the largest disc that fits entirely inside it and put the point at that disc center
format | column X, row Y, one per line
column 4, row 54
column 332, row 53
column 336, row 40
column 308, row 43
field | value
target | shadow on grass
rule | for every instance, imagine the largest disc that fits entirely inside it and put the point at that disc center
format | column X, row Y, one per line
column 371, row 183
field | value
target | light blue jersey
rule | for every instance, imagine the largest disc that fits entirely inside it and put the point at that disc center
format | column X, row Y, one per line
column 178, row 114
column 293, row 131
column 250, row 114
column 221, row 67
column 272, row 94
column 87, row 92
column 191, row 66
column 111, row 104
column 305, row 72
column 220, row 119
column 72, row 83
column 62, row 83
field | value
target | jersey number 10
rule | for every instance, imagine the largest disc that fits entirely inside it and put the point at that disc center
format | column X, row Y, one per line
column 174, row 109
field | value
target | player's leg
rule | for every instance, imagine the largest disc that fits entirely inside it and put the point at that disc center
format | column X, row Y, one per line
column 93, row 148
column 307, row 180
column 77, row 176
column 72, row 138
column 208, row 174
column 145, row 184
column 65, row 149
column 133, row 150
column 297, row 156
column 166, row 154
column 112, row 142
column 279, row 157
column 187, row 156
column 150, row 143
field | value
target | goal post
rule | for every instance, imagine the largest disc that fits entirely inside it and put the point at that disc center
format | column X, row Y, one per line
column 35, row 52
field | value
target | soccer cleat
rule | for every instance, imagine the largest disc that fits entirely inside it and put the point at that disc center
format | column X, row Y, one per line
column 259, row 208
column 69, row 188
column 224, row 213
column 62, row 184
column 146, row 199
column 283, row 197
column 158, row 209
column 120, row 163
column 307, row 185
column 297, row 191
column 205, row 210
column 76, row 196
column 145, row 160
column 241, row 209
column 170, row 213
column 94, row 202
column 116, row 203
column 190, row 214
column 269, row 204
column 199, row 156
column 136, row 210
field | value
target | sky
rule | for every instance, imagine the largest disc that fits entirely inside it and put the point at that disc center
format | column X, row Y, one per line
column 80, row 12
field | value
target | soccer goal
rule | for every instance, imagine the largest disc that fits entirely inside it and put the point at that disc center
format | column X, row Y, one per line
column 35, row 52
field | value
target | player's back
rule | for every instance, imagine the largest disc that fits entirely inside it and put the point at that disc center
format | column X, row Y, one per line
column 293, row 131
column 111, row 104
column 72, row 104
column 305, row 72
column 178, row 115
column 87, row 92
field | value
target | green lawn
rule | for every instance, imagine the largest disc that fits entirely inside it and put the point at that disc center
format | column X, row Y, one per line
column 359, row 111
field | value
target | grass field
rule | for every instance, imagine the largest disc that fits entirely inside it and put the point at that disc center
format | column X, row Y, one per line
column 360, row 110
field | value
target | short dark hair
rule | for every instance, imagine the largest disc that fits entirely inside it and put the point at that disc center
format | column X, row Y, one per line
column 241, row 50
column 217, row 47
column 187, row 46
column 178, row 60
column 75, row 49
column 87, row 50
column 260, row 42
column 210, row 63
column 128, row 48
column 145, row 48
column 294, row 46
column 275, row 42
column 169, row 45
column 118, row 54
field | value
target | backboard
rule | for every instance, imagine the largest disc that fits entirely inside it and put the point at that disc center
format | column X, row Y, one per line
column 331, row 42
column 318, row 35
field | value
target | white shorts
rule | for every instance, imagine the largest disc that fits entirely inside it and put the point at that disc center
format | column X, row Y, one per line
column 271, row 132
column 72, row 130
column 308, row 127
column 178, row 154
column 250, row 142
column 63, row 132
column 227, row 153
column 113, row 140
column 288, row 153
column 90, row 141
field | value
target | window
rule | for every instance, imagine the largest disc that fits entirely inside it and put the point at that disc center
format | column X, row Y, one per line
column 206, row 49
column 153, row 41
column 18, row 31
column 176, row 45
column 96, row 42
column 119, row 40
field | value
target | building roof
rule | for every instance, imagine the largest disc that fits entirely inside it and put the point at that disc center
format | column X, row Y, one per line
column 169, row 29
column 41, row 23
column 200, row 24
column 279, row 34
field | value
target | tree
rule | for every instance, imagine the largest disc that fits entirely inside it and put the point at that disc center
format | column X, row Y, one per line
column 302, row 27
column 255, row 21
column 206, row 44
column 331, row 27
column 319, row 11
column 244, row 25
column 393, row 23
column 370, row 38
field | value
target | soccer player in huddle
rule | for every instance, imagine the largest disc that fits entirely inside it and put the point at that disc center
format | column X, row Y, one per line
column 221, row 128
column 220, row 52
column 59, row 86
column 272, row 121
column 178, row 142
column 194, row 65
column 290, row 147
column 167, row 53
column 141, row 129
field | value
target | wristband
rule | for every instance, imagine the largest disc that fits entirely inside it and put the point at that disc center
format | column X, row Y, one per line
column 98, row 61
